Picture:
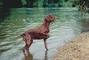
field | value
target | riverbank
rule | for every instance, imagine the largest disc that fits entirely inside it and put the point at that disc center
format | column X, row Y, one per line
column 76, row 49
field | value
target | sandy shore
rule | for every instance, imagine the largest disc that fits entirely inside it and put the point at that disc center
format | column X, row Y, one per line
column 76, row 49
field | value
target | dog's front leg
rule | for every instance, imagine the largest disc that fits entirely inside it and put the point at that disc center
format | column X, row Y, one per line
column 45, row 44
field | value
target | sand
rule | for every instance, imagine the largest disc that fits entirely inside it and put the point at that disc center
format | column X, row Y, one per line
column 76, row 49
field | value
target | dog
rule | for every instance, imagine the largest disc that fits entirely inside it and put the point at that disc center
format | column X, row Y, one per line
column 41, row 32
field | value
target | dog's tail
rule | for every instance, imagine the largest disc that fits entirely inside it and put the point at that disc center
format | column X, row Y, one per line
column 19, row 35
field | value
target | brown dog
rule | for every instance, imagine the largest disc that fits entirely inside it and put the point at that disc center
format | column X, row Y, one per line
column 40, row 32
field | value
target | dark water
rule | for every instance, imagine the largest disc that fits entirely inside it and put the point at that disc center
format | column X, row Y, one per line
column 70, row 22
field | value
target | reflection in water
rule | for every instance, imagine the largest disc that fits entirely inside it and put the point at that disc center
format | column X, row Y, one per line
column 28, row 56
column 46, row 57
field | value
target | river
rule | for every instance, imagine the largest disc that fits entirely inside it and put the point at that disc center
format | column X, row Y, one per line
column 70, row 22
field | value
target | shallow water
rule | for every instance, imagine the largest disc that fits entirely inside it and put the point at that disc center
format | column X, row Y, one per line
column 70, row 22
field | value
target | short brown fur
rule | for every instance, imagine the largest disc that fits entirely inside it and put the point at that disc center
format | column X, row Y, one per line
column 40, row 32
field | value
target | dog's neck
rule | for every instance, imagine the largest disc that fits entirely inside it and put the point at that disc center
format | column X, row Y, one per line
column 46, row 23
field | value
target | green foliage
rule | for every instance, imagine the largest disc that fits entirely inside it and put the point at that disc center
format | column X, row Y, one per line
column 38, row 3
column 1, row 4
column 83, row 5
column 23, row 2
column 66, row 4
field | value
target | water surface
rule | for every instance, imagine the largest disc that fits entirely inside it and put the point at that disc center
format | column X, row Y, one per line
column 70, row 22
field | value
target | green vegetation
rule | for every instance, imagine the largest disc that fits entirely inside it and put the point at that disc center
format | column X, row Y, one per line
column 66, row 4
column 35, row 3
column 83, row 5
column 1, row 3
column 23, row 2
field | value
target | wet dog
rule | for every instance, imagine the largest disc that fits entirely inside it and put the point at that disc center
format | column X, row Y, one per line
column 41, row 32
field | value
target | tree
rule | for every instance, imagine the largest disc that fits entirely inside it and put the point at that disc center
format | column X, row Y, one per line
column 83, row 5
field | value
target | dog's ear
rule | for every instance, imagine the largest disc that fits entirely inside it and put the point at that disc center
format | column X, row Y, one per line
column 50, row 18
column 47, row 17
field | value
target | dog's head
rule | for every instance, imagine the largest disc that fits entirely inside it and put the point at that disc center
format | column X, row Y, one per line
column 50, row 18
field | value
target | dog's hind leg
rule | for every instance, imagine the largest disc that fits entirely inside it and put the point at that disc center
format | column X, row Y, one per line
column 28, row 42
